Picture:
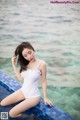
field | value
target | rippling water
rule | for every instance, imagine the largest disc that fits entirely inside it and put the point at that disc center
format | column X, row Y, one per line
column 54, row 31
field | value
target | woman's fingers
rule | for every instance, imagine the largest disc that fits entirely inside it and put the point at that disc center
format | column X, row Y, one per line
column 51, row 104
column 14, row 58
column 48, row 102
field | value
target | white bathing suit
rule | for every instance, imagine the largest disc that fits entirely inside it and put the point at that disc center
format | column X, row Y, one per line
column 30, row 85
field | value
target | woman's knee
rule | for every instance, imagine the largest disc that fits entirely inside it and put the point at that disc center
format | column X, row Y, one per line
column 2, row 103
column 11, row 114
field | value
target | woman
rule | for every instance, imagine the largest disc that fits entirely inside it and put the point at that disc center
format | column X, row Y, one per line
column 31, row 71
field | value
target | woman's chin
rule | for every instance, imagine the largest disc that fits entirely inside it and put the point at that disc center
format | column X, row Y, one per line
column 32, row 60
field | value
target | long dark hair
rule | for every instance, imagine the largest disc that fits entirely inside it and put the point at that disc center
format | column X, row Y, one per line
column 18, row 52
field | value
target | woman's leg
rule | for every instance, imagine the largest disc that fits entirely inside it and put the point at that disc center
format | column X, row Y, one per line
column 13, row 98
column 24, row 105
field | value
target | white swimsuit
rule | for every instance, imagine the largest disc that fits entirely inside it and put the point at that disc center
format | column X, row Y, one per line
column 30, row 85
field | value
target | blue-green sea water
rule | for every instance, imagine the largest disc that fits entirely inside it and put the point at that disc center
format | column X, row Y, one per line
column 54, row 32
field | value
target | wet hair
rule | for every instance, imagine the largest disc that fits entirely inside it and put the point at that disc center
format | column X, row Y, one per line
column 18, row 52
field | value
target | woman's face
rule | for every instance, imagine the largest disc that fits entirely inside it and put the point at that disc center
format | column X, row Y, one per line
column 28, row 54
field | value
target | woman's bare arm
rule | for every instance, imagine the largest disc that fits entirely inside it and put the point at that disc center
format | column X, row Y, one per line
column 18, row 74
column 44, row 84
column 43, row 79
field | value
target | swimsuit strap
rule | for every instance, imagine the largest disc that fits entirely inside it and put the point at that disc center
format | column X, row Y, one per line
column 38, row 65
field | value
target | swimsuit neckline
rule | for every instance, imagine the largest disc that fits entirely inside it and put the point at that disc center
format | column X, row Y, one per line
column 34, row 70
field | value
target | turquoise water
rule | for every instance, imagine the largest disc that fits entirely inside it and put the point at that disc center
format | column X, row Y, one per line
column 54, row 31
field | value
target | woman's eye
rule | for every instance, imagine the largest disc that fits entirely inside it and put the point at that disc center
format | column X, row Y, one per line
column 29, row 52
column 25, row 55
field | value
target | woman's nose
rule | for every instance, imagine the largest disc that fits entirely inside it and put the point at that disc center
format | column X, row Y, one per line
column 29, row 57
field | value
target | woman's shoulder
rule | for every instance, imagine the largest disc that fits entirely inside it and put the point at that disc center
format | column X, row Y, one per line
column 42, row 64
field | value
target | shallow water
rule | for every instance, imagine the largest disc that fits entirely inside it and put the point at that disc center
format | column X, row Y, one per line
column 54, row 32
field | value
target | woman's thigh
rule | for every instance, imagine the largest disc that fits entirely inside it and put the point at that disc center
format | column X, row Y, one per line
column 13, row 98
column 24, row 105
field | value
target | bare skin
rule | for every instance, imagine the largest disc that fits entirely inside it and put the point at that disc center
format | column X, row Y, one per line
column 13, row 98
column 18, row 95
column 22, row 106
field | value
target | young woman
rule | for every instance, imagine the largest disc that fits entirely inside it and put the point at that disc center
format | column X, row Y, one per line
column 31, row 71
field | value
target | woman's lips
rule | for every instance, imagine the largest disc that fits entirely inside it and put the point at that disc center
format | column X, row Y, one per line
column 31, row 59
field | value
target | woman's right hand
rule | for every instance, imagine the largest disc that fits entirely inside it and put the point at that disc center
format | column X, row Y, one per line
column 14, row 60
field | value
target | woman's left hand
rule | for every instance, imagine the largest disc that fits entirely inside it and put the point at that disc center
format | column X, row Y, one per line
column 48, row 102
